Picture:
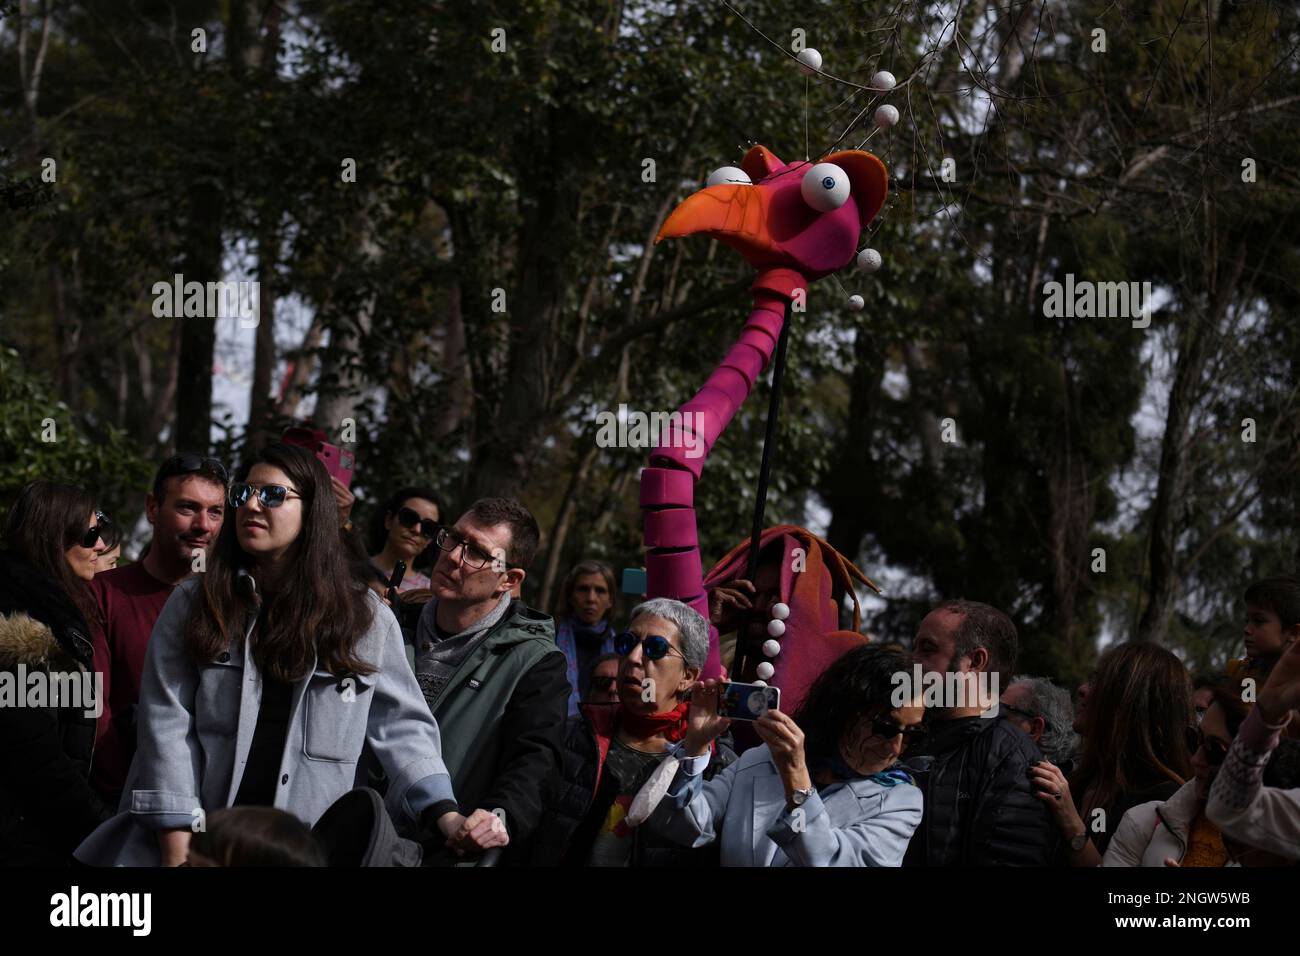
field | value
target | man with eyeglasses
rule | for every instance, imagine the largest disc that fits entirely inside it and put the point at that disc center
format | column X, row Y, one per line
column 186, row 508
column 1043, row 711
column 493, row 678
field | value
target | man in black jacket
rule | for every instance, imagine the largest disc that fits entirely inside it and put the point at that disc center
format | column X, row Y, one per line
column 493, row 678
column 980, row 808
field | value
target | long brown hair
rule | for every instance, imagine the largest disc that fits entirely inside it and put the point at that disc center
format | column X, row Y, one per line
column 47, row 519
column 1139, row 710
column 319, row 603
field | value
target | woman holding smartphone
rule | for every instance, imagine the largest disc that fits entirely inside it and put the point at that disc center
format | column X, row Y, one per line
column 404, row 530
column 266, row 677
column 820, row 791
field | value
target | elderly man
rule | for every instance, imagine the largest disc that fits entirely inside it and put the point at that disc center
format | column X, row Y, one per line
column 611, row 749
column 1045, row 712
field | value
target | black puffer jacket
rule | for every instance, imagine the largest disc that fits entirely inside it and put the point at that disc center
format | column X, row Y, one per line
column 46, row 804
column 564, row 821
column 980, row 808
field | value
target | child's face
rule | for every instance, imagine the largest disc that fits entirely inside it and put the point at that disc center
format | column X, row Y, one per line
column 1263, row 632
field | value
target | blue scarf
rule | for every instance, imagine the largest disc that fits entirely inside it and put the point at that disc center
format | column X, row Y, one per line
column 566, row 639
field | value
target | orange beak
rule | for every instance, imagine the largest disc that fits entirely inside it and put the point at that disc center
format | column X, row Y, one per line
column 734, row 213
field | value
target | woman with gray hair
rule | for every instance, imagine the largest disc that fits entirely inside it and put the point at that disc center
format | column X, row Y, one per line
column 611, row 749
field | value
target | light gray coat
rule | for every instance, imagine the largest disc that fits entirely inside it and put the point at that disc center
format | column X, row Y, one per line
column 196, row 726
column 859, row 823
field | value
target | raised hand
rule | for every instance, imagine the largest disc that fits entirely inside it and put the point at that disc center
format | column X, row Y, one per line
column 784, row 740
column 726, row 601
column 1281, row 693
column 703, row 725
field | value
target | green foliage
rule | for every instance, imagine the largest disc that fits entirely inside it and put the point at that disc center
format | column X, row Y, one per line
column 38, row 439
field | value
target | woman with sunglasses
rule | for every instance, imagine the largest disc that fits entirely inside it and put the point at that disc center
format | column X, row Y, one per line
column 1177, row 832
column 268, row 675
column 51, row 546
column 404, row 530
column 822, row 790
column 611, row 749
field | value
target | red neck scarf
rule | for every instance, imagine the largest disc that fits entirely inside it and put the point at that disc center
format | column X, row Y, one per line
column 671, row 723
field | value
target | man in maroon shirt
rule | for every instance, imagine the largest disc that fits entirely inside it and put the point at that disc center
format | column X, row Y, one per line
column 186, row 508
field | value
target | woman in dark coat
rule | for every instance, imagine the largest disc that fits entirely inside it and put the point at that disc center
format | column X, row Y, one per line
column 49, row 699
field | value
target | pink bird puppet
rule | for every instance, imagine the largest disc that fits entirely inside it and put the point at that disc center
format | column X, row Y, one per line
column 795, row 223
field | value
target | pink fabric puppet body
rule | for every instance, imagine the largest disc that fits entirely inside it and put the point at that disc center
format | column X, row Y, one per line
column 772, row 225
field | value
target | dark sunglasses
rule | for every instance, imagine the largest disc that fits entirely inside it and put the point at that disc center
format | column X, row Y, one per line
column 408, row 518
column 271, row 496
column 889, row 730
column 189, row 464
column 90, row 537
column 653, row 646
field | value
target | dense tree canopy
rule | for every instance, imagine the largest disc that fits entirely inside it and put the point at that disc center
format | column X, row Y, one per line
column 450, row 210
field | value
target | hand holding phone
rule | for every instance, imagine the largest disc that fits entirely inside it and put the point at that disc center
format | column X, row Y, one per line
column 399, row 571
column 748, row 701
column 703, row 722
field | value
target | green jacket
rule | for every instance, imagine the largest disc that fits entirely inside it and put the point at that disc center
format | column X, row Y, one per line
column 501, row 717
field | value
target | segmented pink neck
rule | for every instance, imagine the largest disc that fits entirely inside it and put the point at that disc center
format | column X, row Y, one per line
column 673, row 565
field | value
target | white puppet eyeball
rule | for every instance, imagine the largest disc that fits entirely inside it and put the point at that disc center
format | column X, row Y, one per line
column 825, row 187
column 724, row 175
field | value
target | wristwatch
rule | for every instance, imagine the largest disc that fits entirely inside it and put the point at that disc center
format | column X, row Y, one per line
column 799, row 797
column 1077, row 843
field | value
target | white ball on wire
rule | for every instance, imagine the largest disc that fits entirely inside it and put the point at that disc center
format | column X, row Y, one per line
column 776, row 628
column 886, row 116
column 780, row 610
column 728, row 174
column 810, row 61
column 765, row 671
column 771, row 648
column 760, row 683
column 883, row 81
column 869, row 260
column 856, row 303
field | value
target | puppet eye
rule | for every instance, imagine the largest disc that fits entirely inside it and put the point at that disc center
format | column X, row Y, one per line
column 724, row 175
column 825, row 187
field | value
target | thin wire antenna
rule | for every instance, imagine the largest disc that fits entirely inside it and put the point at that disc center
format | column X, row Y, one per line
column 806, row 81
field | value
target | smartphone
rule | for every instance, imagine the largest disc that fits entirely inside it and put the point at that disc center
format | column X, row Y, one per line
column 399, row 571
column 748, row 701
column 338, row 462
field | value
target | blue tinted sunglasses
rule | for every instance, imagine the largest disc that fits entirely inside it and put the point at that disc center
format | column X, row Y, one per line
column 653, row 646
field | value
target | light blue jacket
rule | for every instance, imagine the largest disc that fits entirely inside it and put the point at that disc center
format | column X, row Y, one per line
column 196, row 726
column 859, row 823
